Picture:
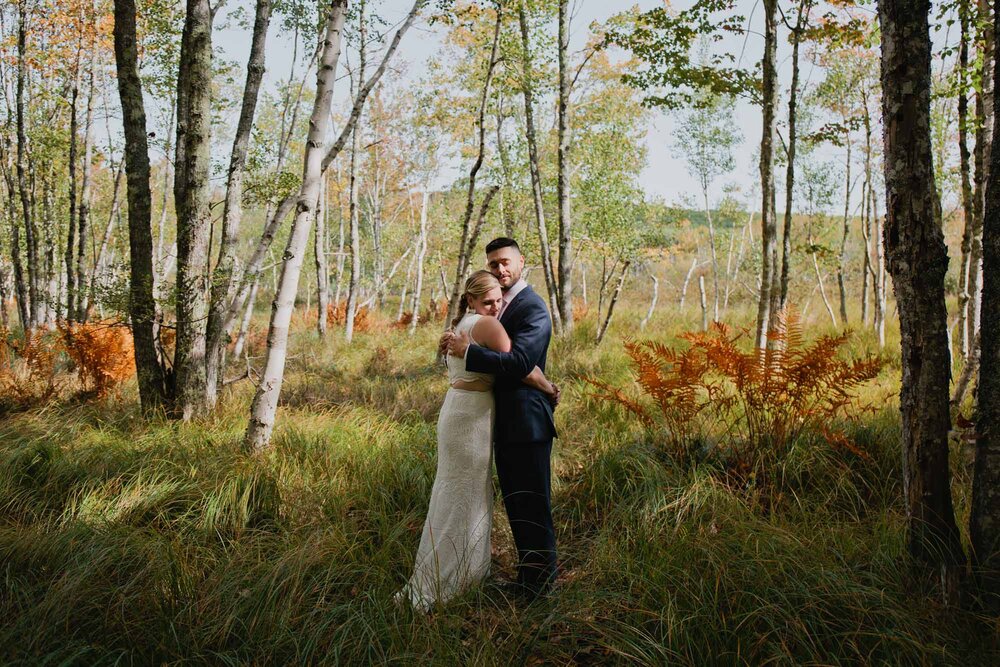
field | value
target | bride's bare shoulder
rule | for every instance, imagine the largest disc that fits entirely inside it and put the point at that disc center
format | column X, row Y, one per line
column 488, row 331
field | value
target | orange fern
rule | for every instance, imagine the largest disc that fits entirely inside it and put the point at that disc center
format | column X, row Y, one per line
column 103, row 353
column 756, row 403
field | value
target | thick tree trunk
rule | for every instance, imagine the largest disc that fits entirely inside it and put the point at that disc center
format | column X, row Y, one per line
column 918, row 260
column 153, row 382
column 769, row 225
column 265, row 402
column 565, row 320
column 528, row 90
column 191, row 199
column 465, row 247
column 225, row 275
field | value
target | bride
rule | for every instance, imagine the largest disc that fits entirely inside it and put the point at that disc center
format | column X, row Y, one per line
column 454, row 551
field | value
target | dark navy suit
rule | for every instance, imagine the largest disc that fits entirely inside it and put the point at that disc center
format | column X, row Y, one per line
column 522, row 435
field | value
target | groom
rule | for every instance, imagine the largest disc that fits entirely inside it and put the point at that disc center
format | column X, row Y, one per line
column 524, row 427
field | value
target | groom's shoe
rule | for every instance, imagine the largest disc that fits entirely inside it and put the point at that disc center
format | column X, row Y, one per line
column 513, row 591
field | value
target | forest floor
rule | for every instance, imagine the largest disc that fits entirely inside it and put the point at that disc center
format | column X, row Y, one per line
column 131, row 541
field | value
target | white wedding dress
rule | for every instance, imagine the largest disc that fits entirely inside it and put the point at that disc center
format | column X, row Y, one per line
column 454, row 551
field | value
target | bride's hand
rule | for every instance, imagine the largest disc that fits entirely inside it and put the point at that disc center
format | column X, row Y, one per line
column 443, row 342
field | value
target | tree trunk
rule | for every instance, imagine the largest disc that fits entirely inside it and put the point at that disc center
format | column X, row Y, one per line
column 353, row 282
column 20, row 288
column 984, row 137
column 162, row 265
column 465, row 247
column 224, row 277
column 72, row 159
column 842, row 257
column 565, row 293
column 968, row 208
column 98, row 265
column 265, row 402
column 687, row 281
column 652, row 302
column 153, row 381
column 421, row 254
column 319, row 253
column 704, row 303
column 603, row 329
column 984, row 518
column 713, row 254
column 49, row 233
column 191, row 195
column 22, row 168
column 769, row 225
column 918, row 260
column 241, row 338
column 793, row 93
column 528, row 90
column 86, row 195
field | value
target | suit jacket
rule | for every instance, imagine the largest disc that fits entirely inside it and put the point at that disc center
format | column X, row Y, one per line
column 523, row 413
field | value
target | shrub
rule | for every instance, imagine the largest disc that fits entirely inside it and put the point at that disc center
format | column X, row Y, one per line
column 756, row 404
column 27, row 369
column 336, row 315
column 103, row 353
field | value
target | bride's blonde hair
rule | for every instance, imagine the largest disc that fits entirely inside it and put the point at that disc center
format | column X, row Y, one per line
column 478, row 284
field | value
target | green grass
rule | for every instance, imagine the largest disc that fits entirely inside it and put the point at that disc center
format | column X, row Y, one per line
column 125, row 541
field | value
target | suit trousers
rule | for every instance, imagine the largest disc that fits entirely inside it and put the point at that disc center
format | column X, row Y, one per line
column 525, row 474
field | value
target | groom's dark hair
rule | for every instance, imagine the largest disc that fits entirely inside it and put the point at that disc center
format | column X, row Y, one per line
column 502, row 242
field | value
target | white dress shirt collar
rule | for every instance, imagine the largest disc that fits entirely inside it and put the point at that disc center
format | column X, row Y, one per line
column 510, row 294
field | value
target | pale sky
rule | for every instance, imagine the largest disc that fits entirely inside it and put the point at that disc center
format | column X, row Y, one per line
column 665, row 176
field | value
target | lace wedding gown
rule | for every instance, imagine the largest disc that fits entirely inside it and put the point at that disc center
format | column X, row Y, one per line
column 454, row 551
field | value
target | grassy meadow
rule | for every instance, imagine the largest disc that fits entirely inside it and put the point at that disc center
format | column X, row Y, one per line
column 125, row 541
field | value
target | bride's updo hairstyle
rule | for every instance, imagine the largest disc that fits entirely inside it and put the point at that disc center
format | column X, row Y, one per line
column 478, row 284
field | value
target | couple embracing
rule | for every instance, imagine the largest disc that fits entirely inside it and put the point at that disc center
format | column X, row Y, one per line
column 498, row 408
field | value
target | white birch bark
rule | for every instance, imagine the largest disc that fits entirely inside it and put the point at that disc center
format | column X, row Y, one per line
column 265, row 402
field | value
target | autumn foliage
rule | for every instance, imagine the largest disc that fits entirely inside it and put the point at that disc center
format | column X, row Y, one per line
column 102, row 352
column 754, row 405
column 27, row 369
column 336, row 315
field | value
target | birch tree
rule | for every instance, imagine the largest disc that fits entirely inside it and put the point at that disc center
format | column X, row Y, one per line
column 265, row 401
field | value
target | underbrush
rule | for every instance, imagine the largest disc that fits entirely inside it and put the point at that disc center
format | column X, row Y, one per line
column 125, row 540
